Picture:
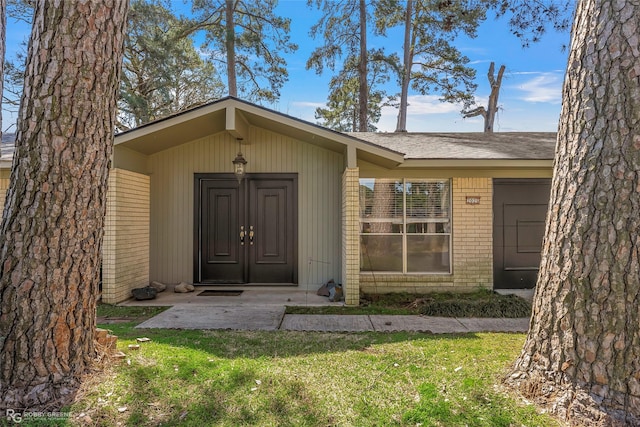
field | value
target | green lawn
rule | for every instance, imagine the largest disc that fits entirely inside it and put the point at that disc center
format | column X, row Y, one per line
column 224, row 378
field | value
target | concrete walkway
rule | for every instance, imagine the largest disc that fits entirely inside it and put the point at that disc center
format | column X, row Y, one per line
column 273, row 318
column 263, row 309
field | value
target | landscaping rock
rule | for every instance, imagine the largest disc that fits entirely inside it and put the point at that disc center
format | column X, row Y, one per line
column 184, row 287
column 101, row 335
column 111, row 342
column 324, row 289
column 119, row 355
column 106, row 341
column 159, row 287
column 145, row 293
column 335, row 293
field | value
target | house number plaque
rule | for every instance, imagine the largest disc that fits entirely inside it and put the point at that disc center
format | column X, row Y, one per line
column 473, row 200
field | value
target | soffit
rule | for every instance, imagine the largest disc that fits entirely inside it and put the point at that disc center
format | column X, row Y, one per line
column 236, row 117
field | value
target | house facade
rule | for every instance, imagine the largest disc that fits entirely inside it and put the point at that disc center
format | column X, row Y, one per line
column 376, row 212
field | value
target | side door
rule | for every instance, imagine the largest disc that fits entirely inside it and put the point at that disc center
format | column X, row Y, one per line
column 519, row 215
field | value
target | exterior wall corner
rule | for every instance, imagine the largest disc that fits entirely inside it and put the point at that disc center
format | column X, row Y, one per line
column 351, row 236
column 125, row 246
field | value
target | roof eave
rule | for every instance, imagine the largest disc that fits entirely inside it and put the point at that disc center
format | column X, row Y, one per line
column 477, row 163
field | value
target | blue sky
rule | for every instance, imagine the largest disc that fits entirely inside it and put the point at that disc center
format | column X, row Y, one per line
column 529, row 99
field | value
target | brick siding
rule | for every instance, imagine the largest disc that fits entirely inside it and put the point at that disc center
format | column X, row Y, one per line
column 351, row 236
column 126, row 240
column 472, row 251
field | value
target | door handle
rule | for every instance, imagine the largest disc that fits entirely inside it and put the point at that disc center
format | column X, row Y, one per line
column 251, row 234
column 242, row 234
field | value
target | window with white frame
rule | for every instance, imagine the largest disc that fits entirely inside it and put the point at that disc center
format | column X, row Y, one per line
column 405, row 225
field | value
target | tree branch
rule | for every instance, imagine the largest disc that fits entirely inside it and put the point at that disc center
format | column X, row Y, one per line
column 480, row 111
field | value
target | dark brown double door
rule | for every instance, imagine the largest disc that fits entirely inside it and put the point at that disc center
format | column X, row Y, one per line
column 245, row 232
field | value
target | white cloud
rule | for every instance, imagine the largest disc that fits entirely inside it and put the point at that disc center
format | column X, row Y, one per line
column 481, row 100
column 545, row 87
column 479, row 61
column 424, row 113
column 308, row 104
column 429, row 104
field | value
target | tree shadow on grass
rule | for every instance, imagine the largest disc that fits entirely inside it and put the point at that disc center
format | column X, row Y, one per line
column 196, row 391
column 256, row 344
column 192, row 377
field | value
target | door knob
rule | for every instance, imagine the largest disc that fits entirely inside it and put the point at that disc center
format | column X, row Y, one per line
column 251, row 234
column 242, row 234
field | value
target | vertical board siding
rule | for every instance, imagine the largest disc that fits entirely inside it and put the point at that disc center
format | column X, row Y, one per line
column 4, row 186
column 125, row 248
column 319, row 200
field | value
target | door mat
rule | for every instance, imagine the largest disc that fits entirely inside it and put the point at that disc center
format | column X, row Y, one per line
column 219, row 293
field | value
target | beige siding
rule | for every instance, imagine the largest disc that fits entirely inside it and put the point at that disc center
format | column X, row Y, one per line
column 473, row 233
column 126, row 240
column 472, row 252
column 368, row 170
column 125, row 158
column 319, row 198
column 350, row 236
column 4, row 186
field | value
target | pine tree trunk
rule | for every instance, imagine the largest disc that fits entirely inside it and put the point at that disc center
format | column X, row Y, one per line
column 363, row 102
column 582, row 353
column 231, row 49
column 406, row 70
column 51, row 232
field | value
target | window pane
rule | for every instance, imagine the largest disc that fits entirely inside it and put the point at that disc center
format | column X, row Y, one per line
column 381, row 226
column 381, row 253
column 427, row 205
column 381, row 205
column 428, row 253
column 428, row 227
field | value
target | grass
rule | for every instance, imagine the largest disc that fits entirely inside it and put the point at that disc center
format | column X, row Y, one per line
column 225, row 378
column 481, row 303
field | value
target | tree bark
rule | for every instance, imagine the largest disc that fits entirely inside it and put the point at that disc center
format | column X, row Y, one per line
column 406, row 70
column 492, row 105
column 363, row 102
column 582, row 353
column 231, row 49
column 51, row 232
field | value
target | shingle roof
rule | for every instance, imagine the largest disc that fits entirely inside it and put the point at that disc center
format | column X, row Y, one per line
column 466, row 146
